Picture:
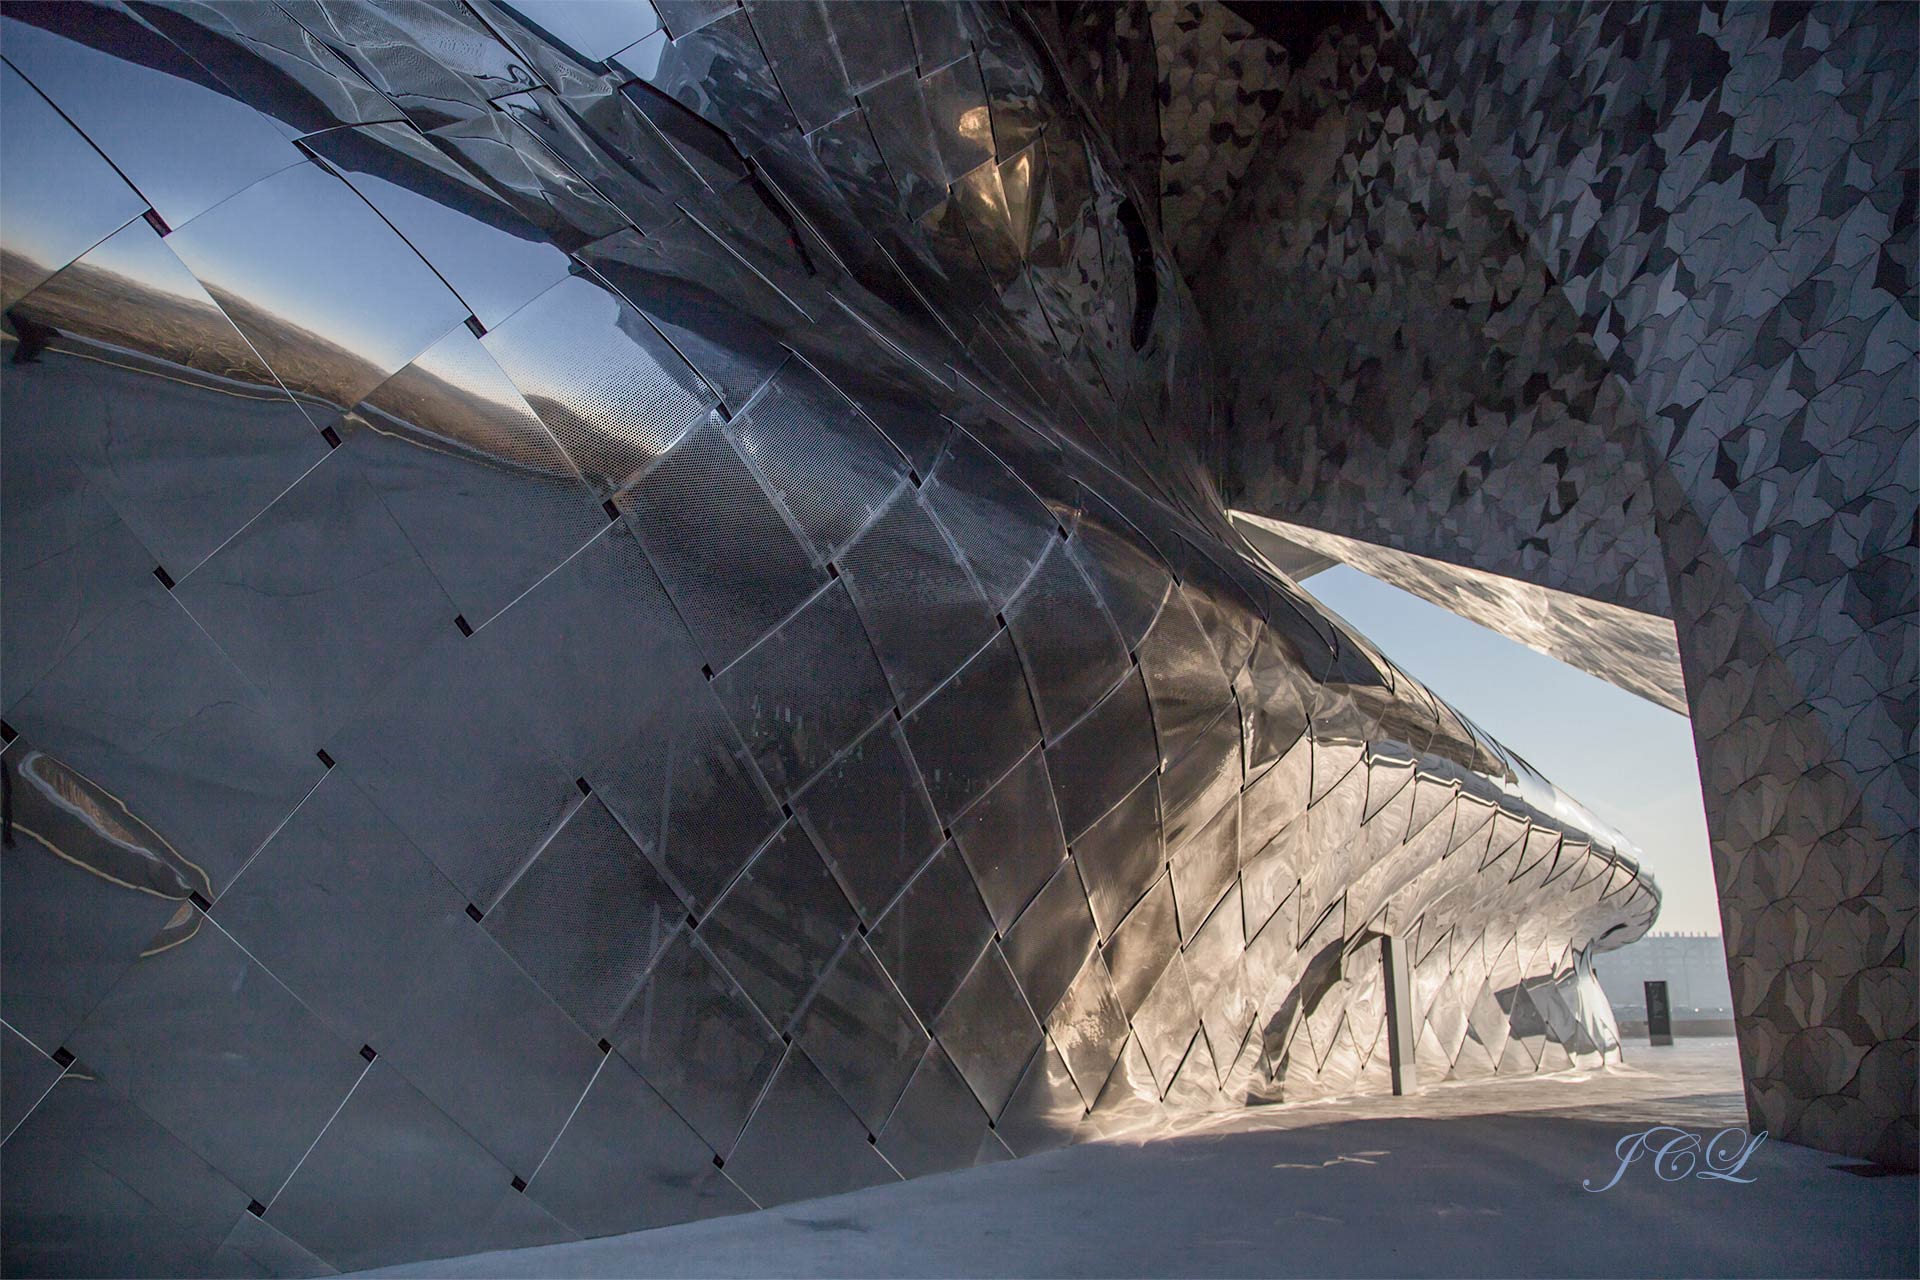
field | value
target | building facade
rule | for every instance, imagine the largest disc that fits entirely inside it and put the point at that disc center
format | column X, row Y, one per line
column 619, row 612
column 1617, row 302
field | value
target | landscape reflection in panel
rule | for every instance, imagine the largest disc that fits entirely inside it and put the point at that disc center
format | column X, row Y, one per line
column 615, row 613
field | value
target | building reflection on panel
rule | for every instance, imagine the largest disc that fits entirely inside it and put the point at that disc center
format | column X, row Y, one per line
column 619, row 612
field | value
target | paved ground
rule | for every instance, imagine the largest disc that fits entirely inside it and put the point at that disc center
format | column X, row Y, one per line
column 1479, row 1179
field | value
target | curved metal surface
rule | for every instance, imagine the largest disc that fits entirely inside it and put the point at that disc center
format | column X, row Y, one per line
column 615, row 614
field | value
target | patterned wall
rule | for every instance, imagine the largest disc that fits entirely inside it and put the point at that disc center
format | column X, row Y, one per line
column 1679, row 242
column 1220, row 82
column 1728, row 199
column 614, row 615
column 1393, row 325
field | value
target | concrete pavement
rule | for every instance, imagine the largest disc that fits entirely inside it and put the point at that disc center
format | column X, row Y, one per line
column 1462, row 1180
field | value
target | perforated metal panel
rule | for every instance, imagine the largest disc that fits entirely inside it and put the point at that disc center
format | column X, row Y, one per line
column 924, row 613
column 988, row 1030
column 868, row 813
column 1011, row 838
column 1104, row 756
column 626, row 1162
column 938, row 1125
column 861, row 1034
column 825, row 463
column 693, row 1035
column 932, row 934
column 1071, row 652
column 608, row 386
column 780, row 925
column 974, row 728
column 999, row 526
column 1046, row 945
column 806, row 691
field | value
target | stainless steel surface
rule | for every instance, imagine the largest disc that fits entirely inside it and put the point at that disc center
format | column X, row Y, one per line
column 675, row 594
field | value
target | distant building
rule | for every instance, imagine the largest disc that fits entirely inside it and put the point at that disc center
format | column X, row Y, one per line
column 1694, row 966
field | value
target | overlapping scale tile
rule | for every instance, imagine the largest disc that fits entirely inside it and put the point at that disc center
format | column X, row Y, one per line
column 580, row 683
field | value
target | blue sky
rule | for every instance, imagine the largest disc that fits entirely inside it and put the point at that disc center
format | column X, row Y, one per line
column 1626, row 759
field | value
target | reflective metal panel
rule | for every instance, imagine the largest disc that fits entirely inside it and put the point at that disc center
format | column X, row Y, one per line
column 162, row 403
column 831, row 470
column 803, row 1142
column 453, row 724
column 93, row 1185
column 1045, row 1110
column 490, row 254
column 148, row 707
column 716, row 310
column 728, row 601
column 29, row 1074
column 932, row 934
column 62, row 196
column 292, row 260
column 999, row 526
column 90, row 886
column 254, row 1248
column 600, row 554
column 211, row 1045
column 296, row 80
column 792, row 727
column 989, row 1031
column 626, row 1162
column 686, row 789
column 357, row 922
column 69, row 562
column 471, row 476
column 1140, row 947
column 319, row 600
column 392, row 1174
column 168, row 124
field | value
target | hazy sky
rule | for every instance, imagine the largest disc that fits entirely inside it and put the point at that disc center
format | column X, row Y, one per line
column 1626, row 759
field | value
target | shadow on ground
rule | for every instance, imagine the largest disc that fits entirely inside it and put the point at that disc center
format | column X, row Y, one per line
column 1321, row 1192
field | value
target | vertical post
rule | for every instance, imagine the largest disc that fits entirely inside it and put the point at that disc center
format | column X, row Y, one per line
column 1659, row 1014
column 1399, row 983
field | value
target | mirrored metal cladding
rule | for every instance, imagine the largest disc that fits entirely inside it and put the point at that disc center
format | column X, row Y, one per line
column 618, row 612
